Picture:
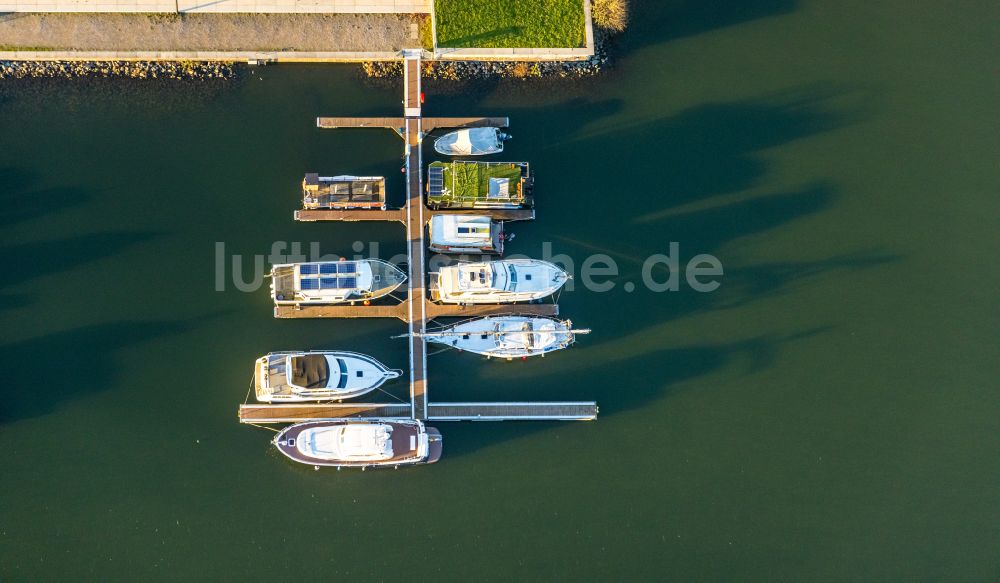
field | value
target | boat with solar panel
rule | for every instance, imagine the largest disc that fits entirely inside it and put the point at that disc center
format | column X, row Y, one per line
column 333, row 282
column 496, row 282
column 360, row 443
column 466, row 234
column 343, row 192
column 509, row 337
column 296, row 377
column 469, row 184
column 471, row 142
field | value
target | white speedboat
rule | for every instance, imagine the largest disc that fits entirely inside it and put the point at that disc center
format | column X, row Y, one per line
column 471, row 142
column 333, row 282
column 508, row 336
column 496, row 282
column 360, row 443
column 295, row 377
column 455, row 233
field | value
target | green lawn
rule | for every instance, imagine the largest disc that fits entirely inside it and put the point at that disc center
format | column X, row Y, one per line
column 510, row 23
column 469, row 181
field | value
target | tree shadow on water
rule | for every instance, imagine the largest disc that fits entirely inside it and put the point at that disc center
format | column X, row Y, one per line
column 42, row 372
column 21, row 199
column 29, row 260
column 665, row 368
column 656, row 21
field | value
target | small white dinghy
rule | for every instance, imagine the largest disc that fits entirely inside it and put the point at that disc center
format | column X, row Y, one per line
column 296, row 377
column 471, row 142
column 497, row 282
column 508, row 336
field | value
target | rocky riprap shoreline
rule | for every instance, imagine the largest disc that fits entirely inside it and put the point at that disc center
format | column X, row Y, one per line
column 127, row 69
column 472, row 70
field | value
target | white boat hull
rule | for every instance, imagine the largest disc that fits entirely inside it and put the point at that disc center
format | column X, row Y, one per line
column 282, row 377
column 507, row 337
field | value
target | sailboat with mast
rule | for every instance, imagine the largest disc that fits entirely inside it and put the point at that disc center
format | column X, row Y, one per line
column 508, row 336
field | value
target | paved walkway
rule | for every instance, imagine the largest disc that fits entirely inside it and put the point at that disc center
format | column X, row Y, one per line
column 227, row 6
column 124, row 33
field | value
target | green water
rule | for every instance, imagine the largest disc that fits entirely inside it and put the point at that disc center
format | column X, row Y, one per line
column 830, row 413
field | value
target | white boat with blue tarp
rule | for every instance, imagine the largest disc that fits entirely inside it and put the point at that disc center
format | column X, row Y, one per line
column 471, row 142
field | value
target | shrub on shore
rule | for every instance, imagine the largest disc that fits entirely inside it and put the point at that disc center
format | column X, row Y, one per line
column 610, row 14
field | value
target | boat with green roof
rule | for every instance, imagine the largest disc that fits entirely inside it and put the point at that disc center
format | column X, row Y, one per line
column 481, row 185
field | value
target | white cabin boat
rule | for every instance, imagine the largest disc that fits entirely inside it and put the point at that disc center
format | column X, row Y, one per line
column 360, row 443
column 496, row 282
column 508, row 336
column 454, row 233
column 296, row 377
column 333, row 282
column 471, row 142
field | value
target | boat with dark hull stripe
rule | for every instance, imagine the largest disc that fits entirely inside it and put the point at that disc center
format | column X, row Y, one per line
column 360, row 443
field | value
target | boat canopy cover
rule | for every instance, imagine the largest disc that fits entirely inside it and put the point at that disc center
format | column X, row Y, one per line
column 469, row 142
column 362, row 441
column 310, row 371
column 466, row 230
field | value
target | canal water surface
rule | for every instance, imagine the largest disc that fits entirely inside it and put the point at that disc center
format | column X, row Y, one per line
column 828, row 413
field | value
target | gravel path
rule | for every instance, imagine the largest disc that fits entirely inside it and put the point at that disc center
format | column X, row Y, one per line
column 208, row 32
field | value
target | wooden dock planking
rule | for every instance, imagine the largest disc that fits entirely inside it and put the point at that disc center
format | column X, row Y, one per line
column 356, row 311
column 509, row 215
column 392, row 123
column 523, row 411
column 308, row 216
column 432, row 123
column 527, row 411
column 293, row 413
column 417, row 306
column 411, row 81
column 399, row 215
column 481, row 310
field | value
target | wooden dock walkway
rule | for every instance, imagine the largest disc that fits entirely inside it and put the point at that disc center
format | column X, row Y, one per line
column 402, row 311
column 309, row 216
column 399, row 215
column 398, row 124
column 524, row 411
column 416, row 310
column 527, row 411
column 293, row 413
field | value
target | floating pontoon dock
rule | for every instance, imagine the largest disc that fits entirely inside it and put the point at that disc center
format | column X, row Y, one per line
column 416, row 310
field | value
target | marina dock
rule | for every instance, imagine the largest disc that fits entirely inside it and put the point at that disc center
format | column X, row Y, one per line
column 402, row 311
column 416, row 310
column 528, row 411
column 399, row 215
